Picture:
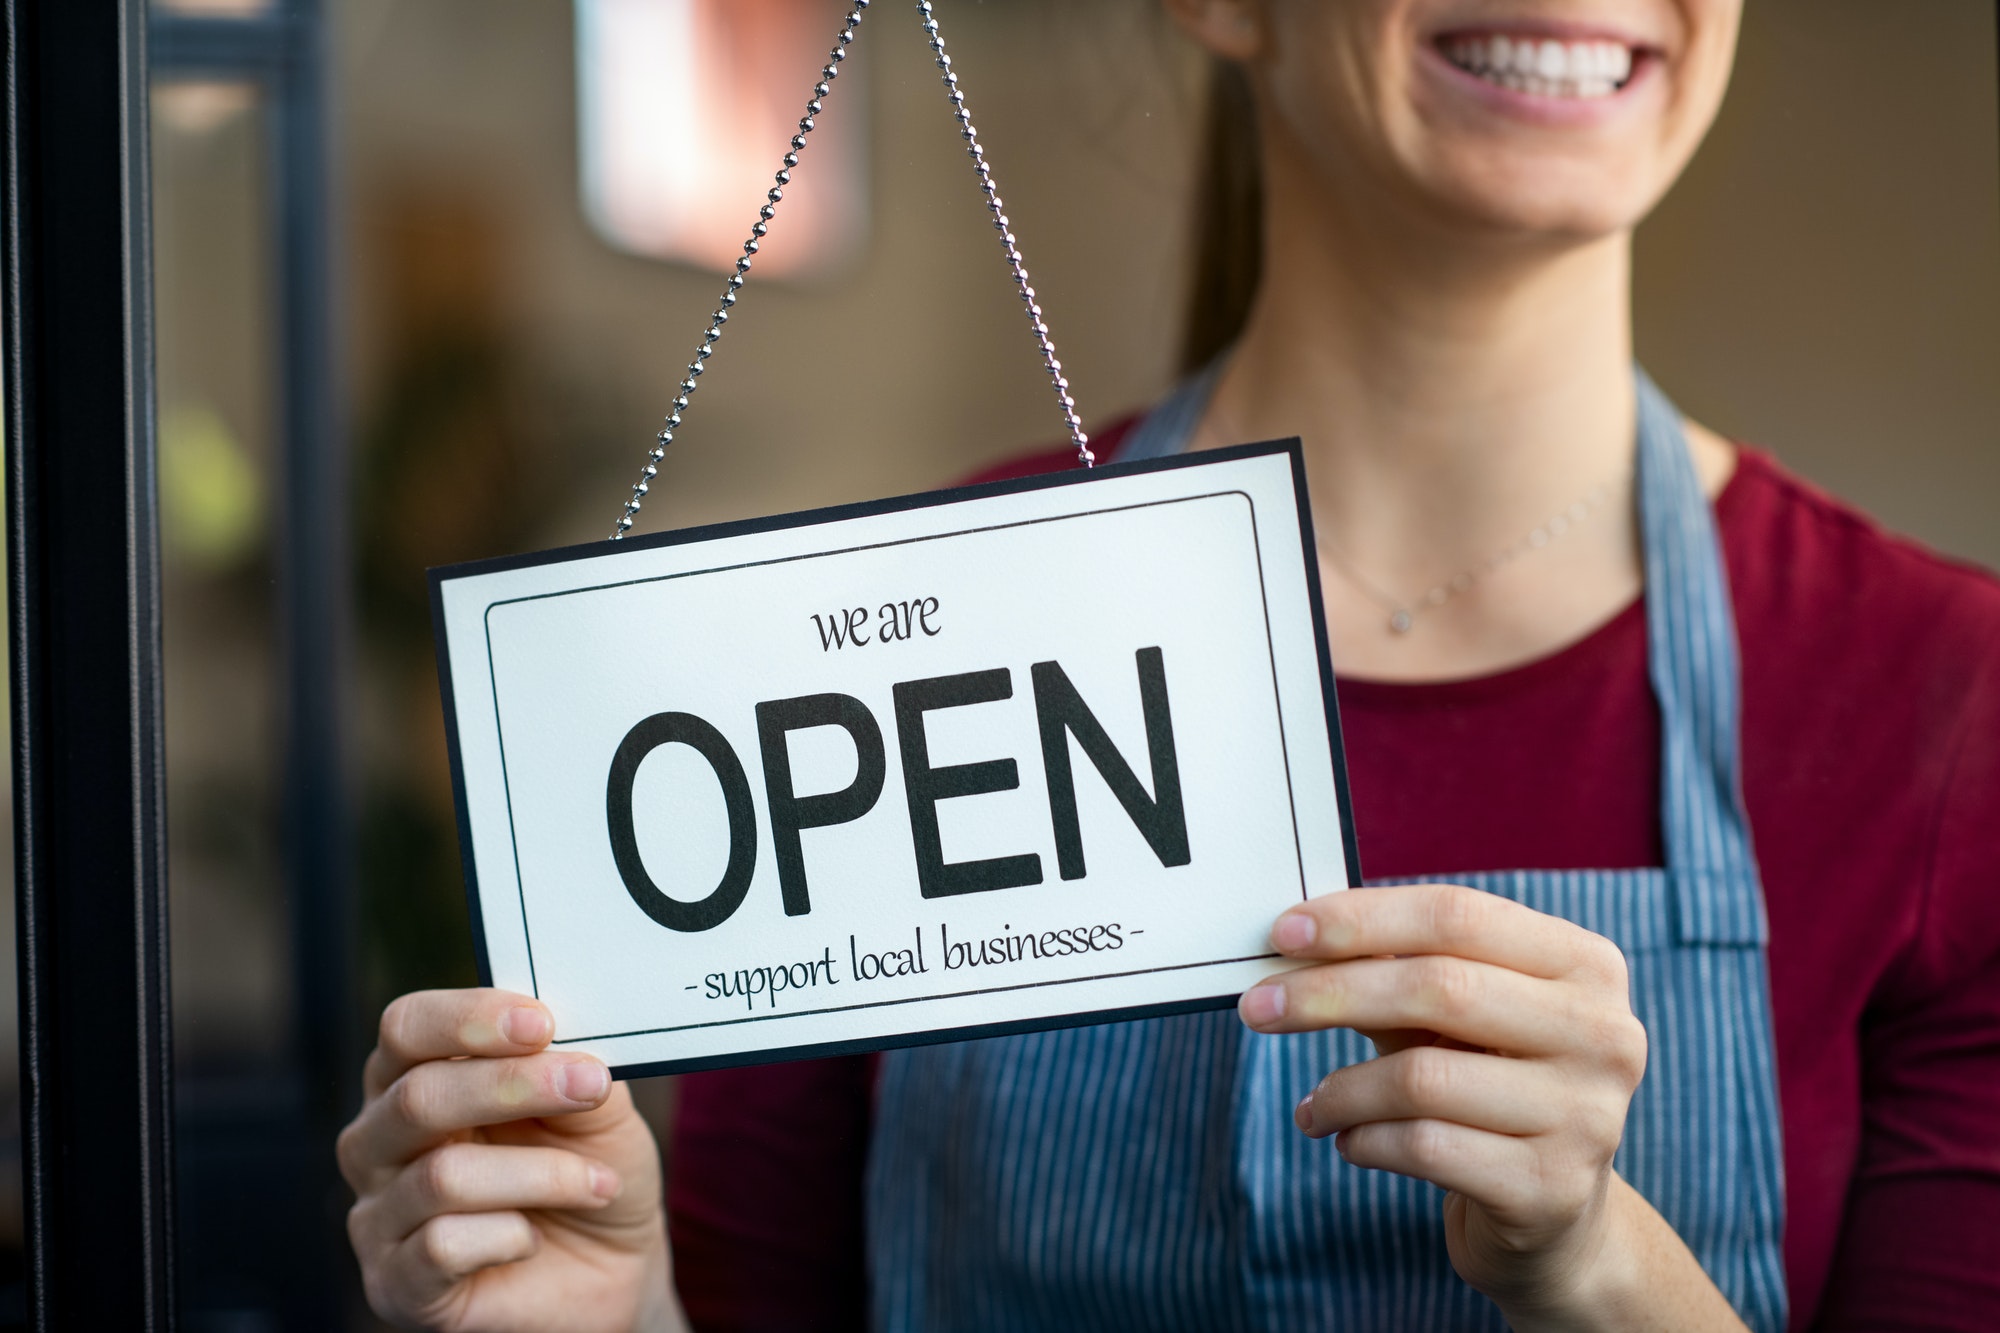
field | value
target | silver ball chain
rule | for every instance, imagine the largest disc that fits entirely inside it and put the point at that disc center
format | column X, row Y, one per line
column 713, row 334
column 827, row 74
column 1000, row 224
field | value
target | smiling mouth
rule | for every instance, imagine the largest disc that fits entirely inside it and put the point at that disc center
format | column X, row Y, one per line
column 1542, row 67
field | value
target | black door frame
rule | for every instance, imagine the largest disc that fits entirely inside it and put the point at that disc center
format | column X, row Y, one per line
column 84, row 601
column 84, row 634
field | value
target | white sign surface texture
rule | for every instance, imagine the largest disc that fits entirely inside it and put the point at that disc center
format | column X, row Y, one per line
column 1026, row 755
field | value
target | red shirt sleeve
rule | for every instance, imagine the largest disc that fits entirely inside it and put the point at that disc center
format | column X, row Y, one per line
column 1920, row 1243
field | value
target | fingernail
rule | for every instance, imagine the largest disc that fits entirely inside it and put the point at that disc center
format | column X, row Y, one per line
column 584, row 1083
column 1294, row 931
column 1263, row 1004
column 525, row 1025
column 1302, row 1114
column 603, row 1182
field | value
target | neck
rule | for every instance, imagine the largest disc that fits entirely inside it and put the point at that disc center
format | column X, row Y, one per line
column 1450, row 394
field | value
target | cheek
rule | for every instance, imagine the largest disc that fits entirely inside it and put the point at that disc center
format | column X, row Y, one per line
column 1699, row 86
column 1709, row 31
column 1329, row 61
column 1712, row 59
column 1338, row 83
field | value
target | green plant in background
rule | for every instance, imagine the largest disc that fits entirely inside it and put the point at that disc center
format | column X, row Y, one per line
column 210, row 492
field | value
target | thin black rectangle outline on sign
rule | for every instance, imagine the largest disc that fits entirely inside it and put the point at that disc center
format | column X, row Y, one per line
column 1277, row 702
column 838, row 513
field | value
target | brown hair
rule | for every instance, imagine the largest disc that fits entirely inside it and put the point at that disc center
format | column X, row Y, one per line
column 1229, row 220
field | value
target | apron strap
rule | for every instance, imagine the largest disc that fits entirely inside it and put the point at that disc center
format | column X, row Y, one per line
column 1692, row 658
column 1166, row 430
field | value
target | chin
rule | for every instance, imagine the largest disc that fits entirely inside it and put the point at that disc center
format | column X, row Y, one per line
column 1566, row 199
column 1499, row 119
column 1570, row 121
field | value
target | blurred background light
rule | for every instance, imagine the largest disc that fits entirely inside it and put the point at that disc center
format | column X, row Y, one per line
column 685, row 107
column 209, row 487
column 202, row 106
column 215, row 8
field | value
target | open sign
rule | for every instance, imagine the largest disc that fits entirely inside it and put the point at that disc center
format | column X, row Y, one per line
column 1046, row 752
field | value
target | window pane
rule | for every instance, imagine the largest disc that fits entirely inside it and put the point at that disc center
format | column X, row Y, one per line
column 250, row 1240
column 211, row 254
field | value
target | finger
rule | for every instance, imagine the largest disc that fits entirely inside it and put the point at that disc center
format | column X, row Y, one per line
column 484, row 1178
column 442, row 1024
column 434, row 1100
column 1495, row 1170
column 1488, row 1092
column 1388, row 1042
column 419, row 1275
column 1491, row 1008
column 1444, row 919
column 579, row 1125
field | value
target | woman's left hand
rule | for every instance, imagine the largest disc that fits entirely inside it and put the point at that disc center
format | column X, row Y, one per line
column 1508, row 1054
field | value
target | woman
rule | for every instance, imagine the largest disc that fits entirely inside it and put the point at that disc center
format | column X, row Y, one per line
column 1663, row 1082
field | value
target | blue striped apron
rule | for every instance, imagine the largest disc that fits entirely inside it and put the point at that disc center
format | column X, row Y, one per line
column 1148, row 1174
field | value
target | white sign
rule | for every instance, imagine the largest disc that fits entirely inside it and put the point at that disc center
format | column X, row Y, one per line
column 1039, row 753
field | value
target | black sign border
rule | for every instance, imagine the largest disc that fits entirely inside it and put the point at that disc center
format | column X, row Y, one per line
column 897, row 504
column 1284, row 749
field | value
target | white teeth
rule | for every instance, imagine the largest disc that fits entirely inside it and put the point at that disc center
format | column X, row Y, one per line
column 1545, row 68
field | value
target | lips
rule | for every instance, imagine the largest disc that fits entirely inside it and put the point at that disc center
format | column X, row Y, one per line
column 1567, row 70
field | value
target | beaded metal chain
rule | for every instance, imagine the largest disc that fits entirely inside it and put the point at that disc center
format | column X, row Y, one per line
column 769, row 210
column 993, row 205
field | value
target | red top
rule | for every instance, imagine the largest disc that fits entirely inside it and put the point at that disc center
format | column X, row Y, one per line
column 1871, row 769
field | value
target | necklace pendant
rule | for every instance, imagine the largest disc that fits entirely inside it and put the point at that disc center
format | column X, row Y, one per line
column 1402, row 621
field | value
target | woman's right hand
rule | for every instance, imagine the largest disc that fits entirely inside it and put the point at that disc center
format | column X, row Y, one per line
column 502, row 1185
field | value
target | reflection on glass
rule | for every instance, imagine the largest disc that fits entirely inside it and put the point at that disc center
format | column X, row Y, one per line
column 216, row 8
column 213, row 331
column 194, row 110
column 684, row 110
column 13, row 1231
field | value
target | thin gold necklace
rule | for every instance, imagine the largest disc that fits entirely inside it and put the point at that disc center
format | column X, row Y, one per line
column 1403, row 611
